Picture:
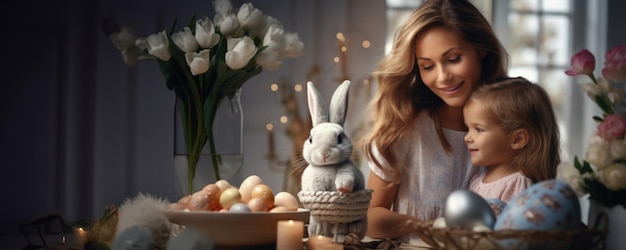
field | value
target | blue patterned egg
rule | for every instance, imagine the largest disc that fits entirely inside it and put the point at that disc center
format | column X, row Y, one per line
column 496, row 205
column 546, row 205
column 550, row 205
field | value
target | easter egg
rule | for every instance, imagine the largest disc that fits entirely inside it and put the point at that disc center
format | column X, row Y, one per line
column 546, row 205
column 279, row 209
column 184, row 200
column 257, row 205
column 496, row 205
column 239, row 207
column 229, row 197
column 466, row 209
column 550, row 205
column 264, row 192
column 287, row 200
column 213, row 197
column 245, row 189
column 199, row 201
column 223, row 184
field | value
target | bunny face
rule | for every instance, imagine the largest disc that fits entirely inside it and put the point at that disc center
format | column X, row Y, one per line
column 327, row 145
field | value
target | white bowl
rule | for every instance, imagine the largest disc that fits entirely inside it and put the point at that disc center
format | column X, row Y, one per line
column 236, row 228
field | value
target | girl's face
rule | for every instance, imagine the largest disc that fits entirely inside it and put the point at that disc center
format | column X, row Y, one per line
column 488, row 143
column 449, row 66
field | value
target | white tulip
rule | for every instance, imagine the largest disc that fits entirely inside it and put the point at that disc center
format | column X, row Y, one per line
column 272, row 57
column 294, row 46
column 123, row 39
column 262, row 30
column 205, row 33
column 198, row 62
column 185, row 40
column 269, row 60
column 239, row 52
column 158, row 46
column 132, row 55
column 223, row 7
column 229, row 25
column 250, row 17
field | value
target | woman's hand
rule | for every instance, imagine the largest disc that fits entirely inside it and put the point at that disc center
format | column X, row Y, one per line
column 382, row 223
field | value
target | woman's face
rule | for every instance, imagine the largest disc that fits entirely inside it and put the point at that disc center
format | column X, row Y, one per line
column 449, row 66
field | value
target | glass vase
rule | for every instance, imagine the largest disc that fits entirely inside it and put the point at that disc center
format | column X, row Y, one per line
column 228, row 138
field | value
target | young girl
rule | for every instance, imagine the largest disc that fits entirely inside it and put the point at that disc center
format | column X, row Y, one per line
column 513, row 134
column 416, row 150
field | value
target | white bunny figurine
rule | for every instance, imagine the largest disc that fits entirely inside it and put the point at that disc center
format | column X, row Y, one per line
column 327, row 152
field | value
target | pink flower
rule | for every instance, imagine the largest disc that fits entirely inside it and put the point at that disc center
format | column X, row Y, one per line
column 583, row 63
column 613, row 126
column 615, row 64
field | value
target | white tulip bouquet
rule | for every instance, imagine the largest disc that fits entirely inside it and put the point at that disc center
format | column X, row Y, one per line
column 208, row 61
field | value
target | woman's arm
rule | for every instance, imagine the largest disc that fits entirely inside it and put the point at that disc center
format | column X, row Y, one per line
column 381, row 221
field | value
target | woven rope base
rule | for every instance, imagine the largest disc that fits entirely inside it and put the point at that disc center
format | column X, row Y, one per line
column 335, row 207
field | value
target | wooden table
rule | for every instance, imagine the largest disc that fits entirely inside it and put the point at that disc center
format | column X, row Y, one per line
column 352, row 242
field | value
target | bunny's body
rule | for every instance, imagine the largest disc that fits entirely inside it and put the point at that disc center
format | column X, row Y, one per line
column 328, row 151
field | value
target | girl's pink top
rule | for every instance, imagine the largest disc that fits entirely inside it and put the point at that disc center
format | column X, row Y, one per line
column 503, row 189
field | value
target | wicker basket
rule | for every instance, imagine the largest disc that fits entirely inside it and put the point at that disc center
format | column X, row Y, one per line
column 450, row 238
column 335, row 207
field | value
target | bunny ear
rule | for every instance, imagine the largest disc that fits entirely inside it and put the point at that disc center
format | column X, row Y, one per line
column 339, row 103
column 317, row 108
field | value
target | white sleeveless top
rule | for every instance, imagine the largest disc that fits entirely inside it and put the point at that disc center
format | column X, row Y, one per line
column 432, row 172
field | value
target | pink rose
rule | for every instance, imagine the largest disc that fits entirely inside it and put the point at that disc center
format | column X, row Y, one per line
column 613, row 126
column 583, row 63
column 615, row 64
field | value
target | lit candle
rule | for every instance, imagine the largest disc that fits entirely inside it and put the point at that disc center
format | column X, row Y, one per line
column 319, row 242
column 289, row 235
column 80, row 237
column 270, row 141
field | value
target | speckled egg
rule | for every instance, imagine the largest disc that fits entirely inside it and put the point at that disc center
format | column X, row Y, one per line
column 213, row 200
column 547, row 205
column 257, row 205
column 265, row 193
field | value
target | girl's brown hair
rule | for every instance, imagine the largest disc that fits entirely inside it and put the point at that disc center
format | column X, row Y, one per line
column 518, row 104
column 401, row 93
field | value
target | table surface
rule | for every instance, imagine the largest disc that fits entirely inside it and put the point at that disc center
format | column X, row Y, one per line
column 370, row 243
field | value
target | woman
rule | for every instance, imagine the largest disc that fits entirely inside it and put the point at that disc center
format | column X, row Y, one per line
column 416, row 150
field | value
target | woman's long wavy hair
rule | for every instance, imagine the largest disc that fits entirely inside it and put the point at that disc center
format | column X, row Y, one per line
column 517, row 104
column 402, row 94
